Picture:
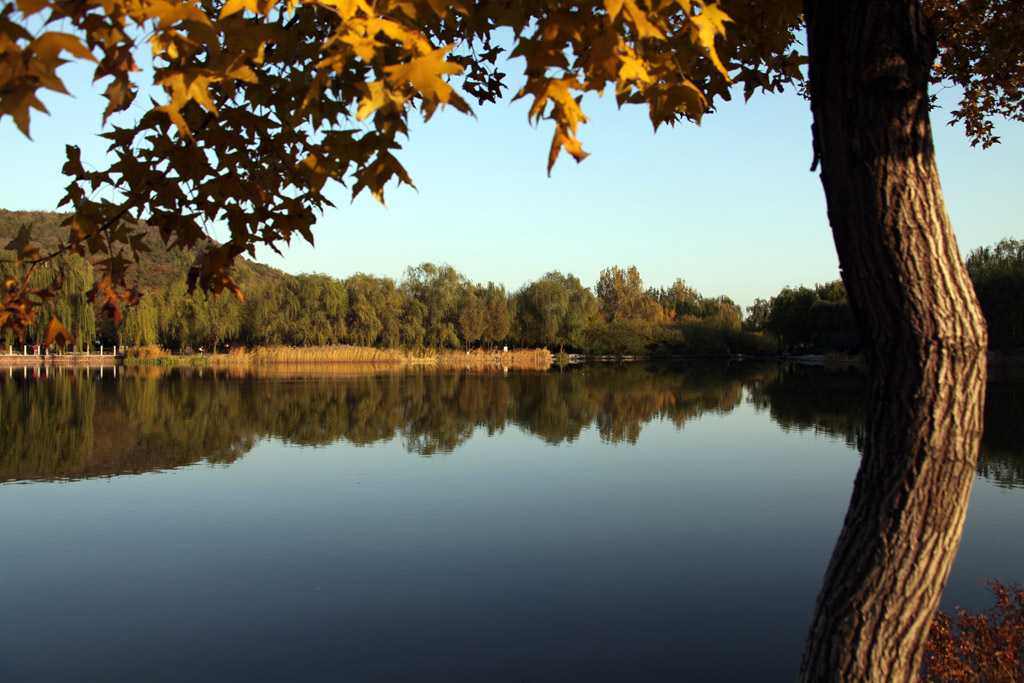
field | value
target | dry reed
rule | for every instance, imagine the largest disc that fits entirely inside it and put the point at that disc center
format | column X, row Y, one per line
column 528, row 359
column 149, row 352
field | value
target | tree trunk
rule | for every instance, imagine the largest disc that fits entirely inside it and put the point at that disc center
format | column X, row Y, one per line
column 924, row 334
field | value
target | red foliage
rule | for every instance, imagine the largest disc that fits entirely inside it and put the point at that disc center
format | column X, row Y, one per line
column 978, row 648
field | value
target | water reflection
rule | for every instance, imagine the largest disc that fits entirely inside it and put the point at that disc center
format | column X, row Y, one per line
column 76, row 424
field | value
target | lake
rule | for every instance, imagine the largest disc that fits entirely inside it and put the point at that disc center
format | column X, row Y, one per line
column 599, row 523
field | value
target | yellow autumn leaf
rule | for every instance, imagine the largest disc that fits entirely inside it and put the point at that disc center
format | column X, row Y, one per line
column 174, row 114
column 557, row 91
column 643, row 25
column 365, row 47
column 182, row 11
column 613, row 8
column 48, row 47
column 395, row 31
column 632, row 69
column 232, row 6
column 375, row 98
column 564, row 139
column 376, row 175
column 347, row 9
column 425, row 74
column 704, row 28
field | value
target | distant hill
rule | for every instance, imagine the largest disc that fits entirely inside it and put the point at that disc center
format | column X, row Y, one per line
column 158, row 269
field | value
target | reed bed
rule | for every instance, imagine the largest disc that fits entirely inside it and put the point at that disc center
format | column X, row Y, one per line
column 521, row 359
column 305, row 371
column 527, row 359
column 149, row 352
column 264, row 355
column 153, row 355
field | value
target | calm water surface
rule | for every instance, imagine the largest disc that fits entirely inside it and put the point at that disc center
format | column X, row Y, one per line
column 599, row 524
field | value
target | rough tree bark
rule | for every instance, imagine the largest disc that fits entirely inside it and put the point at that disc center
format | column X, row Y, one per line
column 925, row 337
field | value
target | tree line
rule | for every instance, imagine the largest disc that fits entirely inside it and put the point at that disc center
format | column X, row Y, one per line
column 435, row 306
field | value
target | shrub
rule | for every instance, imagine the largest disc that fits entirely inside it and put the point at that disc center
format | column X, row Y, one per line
column 978, row 648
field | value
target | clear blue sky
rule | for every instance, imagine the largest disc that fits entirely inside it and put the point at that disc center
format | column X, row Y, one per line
column 729, row 206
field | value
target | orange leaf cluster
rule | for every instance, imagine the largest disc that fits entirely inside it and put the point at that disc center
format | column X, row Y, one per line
column 987, row 646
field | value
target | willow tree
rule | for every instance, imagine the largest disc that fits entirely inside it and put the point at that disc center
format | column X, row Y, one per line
column 264, row 102
column 140, row 325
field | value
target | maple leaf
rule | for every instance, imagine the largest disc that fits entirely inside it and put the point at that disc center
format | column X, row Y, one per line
column 566, row 140
column 48, row 47
column 425, row 74
column 55, row 332
column 232, row 6
column 632, row 69
column 409, row 38
column 22, row 245
column 377, row 95
column 347, row 9
column 376, row 174
column 365, row 47
column 613, row 8
column 638, row 17
column 705, row 27
column 315, row 171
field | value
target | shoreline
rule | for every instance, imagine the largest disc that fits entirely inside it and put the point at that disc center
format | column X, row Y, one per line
column 35, row 361
column 1002, row 365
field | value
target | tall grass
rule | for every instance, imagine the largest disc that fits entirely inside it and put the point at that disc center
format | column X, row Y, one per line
column 148, row 352
column 314, row 354
column 529, row 359
column 522, row 359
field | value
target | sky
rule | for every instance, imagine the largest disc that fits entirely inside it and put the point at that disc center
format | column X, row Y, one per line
column 729, row 206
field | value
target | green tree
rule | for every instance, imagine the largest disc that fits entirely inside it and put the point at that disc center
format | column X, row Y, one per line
column 998, row 276
column 197, row 319
column 318, row 311
column 364, row 324
column 541, row 307
column 393, row 304
column 757, row 316
column 621, row 296
column 581, row 313
column 472, row 319
column 818, row 319
column 555, row 310
column 497, row 316
column 439, row 289
column 264, row 321
column 680, row 300
column 720, row 309
column 141, row 323
column 790, row 319
column 412, row 331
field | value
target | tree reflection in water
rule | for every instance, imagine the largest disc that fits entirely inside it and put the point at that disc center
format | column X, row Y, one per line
column 75, row 425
